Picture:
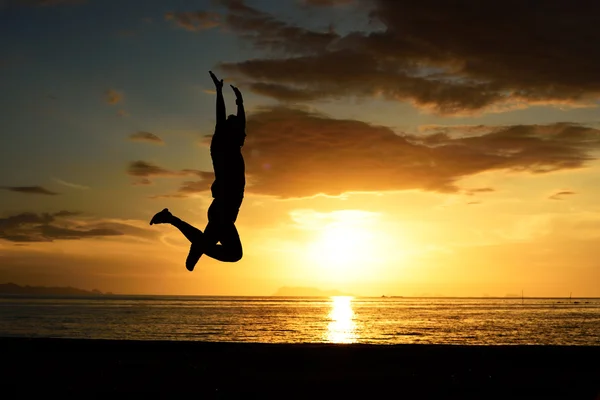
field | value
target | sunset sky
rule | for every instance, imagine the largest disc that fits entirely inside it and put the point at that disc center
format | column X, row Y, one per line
column 394, row 147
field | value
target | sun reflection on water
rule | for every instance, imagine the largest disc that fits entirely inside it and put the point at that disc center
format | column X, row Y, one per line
column 342, row 328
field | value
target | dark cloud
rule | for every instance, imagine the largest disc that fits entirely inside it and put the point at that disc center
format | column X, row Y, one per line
column 65, row 213
column 269, row 33
column 471, row 192
column 448, row 57
column 146, row 137
column 194, row 21
column 296, row 153
column 191, row 187
column 327, row 3
column 142, row 182
column 46, row 227
column 41, row 3
column 30, row 190
column 144, row 169
column 560, row 195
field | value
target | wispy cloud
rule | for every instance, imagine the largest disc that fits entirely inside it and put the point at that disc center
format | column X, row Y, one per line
column 30, row 190
column 147, row 137
column 30, row 227
column 42, row 3
column 71, row 185
column 144, row 171
column 113, row 97
column 142, row 182
column 471, row 192
column 560, row 195
column 194, row 20
column 327, row 3
column 191, row 188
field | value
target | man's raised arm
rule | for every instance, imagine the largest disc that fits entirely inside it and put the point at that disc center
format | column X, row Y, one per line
column 241, row 114
column 221, row 113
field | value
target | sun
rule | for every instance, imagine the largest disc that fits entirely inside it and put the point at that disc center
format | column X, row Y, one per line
column 343, row 247
column 349, row 247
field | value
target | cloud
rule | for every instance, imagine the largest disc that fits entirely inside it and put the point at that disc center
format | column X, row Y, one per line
column 454, row 130
column 146, row 170
column 194, row 21
column 297, row 153
column 327, row 3
column 441, row 57
column 41, row 3
column 30, row 190
column 142, row 182
column 65, row 213
column 146, row 137
column 64, row 225
column 291, row 153
column 71, row 185
column 560, row 195
column 113, row 97
column 471, row 192
column 190, row 188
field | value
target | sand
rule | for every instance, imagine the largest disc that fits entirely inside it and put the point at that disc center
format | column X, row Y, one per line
column 241, row 370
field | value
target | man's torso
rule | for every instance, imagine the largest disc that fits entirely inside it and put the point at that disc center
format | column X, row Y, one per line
column 228, row 165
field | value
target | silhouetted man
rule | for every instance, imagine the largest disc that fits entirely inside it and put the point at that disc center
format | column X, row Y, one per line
column 227, row 189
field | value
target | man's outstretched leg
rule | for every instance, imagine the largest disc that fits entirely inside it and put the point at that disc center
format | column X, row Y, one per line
column 193, row 234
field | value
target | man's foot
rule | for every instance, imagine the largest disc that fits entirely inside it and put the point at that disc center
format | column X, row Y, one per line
column 196, row 251
column 162, row 217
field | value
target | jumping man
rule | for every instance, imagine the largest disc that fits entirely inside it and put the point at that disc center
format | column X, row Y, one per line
column 220, row 239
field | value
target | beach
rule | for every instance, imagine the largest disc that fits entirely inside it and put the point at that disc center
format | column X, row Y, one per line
column 238, row 370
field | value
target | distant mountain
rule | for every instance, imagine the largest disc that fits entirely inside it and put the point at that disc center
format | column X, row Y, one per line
column 307, row 292
column 12, row 288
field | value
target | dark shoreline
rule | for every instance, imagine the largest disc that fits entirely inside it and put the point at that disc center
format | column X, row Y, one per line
column 240, row 370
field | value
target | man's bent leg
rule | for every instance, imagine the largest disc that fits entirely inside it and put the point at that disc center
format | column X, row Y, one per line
column 230, row 249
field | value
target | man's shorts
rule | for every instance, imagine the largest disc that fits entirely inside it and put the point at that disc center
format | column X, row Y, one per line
column 224, row 210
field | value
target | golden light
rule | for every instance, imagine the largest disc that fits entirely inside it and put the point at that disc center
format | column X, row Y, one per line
column 343, row 247
column 341, row 328
column 342, row 244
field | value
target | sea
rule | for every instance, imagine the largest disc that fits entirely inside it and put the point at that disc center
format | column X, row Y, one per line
column 338, row 319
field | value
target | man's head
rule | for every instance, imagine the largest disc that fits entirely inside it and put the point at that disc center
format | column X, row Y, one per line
column 236, row 129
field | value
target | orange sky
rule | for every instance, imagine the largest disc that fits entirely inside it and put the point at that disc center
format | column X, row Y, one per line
column 423, row 150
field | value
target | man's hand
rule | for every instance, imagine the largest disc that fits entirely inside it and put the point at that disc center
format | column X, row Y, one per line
column 238, row 94
column 218, row 83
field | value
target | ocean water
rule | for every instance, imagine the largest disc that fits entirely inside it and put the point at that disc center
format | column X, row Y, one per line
column 303, row 320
